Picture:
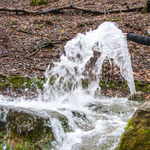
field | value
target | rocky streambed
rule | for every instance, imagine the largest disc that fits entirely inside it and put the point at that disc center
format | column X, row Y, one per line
column 28, row 128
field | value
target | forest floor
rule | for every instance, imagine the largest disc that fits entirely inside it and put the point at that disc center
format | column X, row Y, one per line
column 22, row 35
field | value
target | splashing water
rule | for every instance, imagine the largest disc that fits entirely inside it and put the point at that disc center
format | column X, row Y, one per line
column 82, row 63
column 73, row 86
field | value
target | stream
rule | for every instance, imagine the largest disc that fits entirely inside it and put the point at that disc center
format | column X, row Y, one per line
column 72, row 89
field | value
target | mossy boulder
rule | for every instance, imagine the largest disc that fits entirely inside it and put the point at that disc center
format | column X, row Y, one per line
column 29, row 126
column 137, row 132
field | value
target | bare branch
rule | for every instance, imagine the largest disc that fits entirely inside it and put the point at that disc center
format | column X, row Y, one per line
column 56, row 10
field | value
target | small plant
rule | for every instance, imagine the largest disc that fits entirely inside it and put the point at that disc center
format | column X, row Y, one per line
column 13, row 23
column 19, row 147
column 38, row 2
column 112, row 19
column 41, row 26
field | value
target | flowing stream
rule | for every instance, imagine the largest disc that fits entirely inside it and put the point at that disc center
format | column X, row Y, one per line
column 72, row 89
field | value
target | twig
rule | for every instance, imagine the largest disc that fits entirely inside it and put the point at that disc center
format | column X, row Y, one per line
column 24, row 31
column 34, row 52
column 126, row 10
column 43, row 45
column 3, row 55
column 25, row 11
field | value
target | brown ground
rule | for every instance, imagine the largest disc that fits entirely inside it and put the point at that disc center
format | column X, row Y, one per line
column 20, row 34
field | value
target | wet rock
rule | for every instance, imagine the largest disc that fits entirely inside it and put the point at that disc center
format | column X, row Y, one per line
column 137, row 132
column 111, row 109
column 32, row 126
column 60, row 117
column 139, row 96
column 79, row 114
column 96, row 106
column 29, row 124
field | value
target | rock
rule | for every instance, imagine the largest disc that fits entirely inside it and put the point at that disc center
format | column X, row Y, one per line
column 137, row 132
column 79, row 114
column 32, row 126
column 139, row 96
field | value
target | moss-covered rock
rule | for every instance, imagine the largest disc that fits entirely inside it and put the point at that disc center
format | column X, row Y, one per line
column 8, row 81
column 28, row 128
column 137, row 132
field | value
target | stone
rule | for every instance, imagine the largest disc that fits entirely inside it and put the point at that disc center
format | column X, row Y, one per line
column 137, row 131
column 24, row 125
column 139, row 96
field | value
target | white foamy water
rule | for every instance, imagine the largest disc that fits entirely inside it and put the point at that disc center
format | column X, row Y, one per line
column 98, row 127
column 101, row 121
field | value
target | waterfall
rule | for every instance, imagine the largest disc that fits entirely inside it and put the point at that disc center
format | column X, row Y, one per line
column 81, row 64
column 72, row 89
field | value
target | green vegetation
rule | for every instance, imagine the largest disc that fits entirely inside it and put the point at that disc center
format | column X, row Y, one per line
column 21, row 82
column 13, row 23
column 129, row 124
column 114, row 20
column 38, row 2
column 19, row 146
column 31, row 83
column 41, row 26
column 144, row 10
column 134, row 138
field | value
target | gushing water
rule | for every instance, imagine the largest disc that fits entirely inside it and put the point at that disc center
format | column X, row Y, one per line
column 72, row 89
column 81, row 65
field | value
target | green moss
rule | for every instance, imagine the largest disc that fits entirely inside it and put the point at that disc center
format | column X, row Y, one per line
column 20, row 146
column 13, row 23
column 129, row 124
column 2, row 82
column 145, row 131
column 121, row 18
column 112, row 19
column 122, row 85
column 134, row 127
column 115, row 20
column 41, row 26
column 38, row 2
column 17, row 81
column 142, row 86
column 30, row 83
column 134, row 138
column 112, row 85
column 144, row 10
column 52, row 80
column 22, row 82
column 2, row 85
column 85, row 83
column 39, row 82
